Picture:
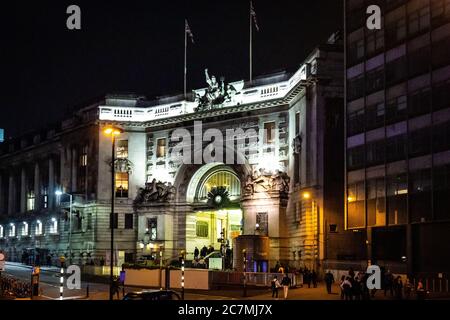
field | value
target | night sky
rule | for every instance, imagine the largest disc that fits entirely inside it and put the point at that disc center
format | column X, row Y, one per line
column 138, row 46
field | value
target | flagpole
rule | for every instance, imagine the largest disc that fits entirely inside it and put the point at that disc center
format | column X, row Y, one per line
column 251, row 44
column 185, row 58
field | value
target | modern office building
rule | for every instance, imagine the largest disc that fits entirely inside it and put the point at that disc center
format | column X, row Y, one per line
column 398, row 133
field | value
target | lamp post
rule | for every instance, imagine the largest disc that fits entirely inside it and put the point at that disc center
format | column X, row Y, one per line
column 113, row 132
column 59, row 193
column 182, row 274
column 160, row 267
column 244, row 253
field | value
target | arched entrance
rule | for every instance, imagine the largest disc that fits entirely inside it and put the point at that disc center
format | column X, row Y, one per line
column 214, row 194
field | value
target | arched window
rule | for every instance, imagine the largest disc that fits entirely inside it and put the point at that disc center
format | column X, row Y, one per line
column 222, row 178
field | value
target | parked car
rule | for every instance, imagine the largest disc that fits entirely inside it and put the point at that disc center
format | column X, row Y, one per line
column 152, row 295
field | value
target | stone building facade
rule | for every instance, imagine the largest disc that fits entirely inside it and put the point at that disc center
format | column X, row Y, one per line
column 272, row 191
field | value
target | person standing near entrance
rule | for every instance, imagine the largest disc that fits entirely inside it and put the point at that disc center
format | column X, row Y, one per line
column 275, row 285
column 286, row 283
column 329, row 279
column 196, row 253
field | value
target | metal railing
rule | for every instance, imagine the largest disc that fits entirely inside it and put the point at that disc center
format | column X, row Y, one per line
column 261, row 279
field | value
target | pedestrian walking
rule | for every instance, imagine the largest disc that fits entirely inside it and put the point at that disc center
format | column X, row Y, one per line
column 286, row 283
column 274, row 286
column 347, row 288
column 314, row 278
column 420, row 290
column 341, row 282
column 408, row 288
column 329, row 279
column 398, row 288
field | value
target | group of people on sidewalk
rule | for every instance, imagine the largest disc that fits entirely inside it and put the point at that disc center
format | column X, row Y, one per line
column 354, row 286
column 285, row 284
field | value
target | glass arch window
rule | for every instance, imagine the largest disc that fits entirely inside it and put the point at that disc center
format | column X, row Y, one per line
column 222, row 178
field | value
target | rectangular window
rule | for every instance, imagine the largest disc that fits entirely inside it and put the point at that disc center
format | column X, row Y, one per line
column 376, row 211
column 12, row 230
column 31, row 200
column 355, row 87
column 129, row 221
column 356, row 210
column 116, row 220
column 420, row 195
column 122, row 149
column 396, row 109
column 375, row 80
column 419, row 142
column 38, row 228
column 45, row 197
column 121, row 184
column 152, row 228
column 161, row 148
column 419, row 102
column 397, row 193
column 202, row 228
column 84, row 157
column 355, row 122
column 53, row 226
column 2, row 232
column 269, row 132
column 355, row 158
column 419, row 20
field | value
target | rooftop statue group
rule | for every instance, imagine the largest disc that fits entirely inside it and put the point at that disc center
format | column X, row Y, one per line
column 216, row 94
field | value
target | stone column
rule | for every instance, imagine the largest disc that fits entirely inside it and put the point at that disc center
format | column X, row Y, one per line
column 37, row 187
column 51, row 183
column 23, row 190
column 74, row 170
column 11, row 193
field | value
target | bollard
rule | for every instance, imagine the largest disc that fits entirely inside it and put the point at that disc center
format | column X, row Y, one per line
column 87, row 291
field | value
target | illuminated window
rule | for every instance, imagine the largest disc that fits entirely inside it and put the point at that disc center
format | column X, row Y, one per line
column 24, row 229
column 38, row 228
column 53, row 226
column 152, row 226
column 45, row 197
column 122, row 184
column 31, row 200
column 161, row 148
column 12, row 230
column 2, row 232
column 84, row 157
column 122, row 149
column 201, row 228
column 221, row 179
column 269, row 132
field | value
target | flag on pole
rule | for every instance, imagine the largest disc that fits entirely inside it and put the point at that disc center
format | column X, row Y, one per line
column 253, row 14
column 189, row 31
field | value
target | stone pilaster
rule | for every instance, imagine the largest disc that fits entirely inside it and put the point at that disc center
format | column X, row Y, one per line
column 37, row 187
column 51, row 183
column 11, row 193
column 74, row 170
column 23, row 190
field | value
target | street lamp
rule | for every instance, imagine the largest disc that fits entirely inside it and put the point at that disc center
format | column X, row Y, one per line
column 113, row 132
column 59, row 193
column 183, row 253
column 244, row 253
